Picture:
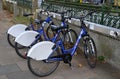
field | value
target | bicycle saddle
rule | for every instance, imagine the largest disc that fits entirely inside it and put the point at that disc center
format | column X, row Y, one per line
column 37, row 21
column 56, row 28
column 26, row 15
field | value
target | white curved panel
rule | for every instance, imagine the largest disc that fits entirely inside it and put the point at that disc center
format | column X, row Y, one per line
column 41, row 50
column 17, row 29
column 26, row 38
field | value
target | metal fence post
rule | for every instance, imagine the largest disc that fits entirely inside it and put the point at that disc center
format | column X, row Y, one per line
column 15, row 9
column 34, row 7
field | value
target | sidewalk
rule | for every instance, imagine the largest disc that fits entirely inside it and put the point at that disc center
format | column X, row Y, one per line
column 13, row 67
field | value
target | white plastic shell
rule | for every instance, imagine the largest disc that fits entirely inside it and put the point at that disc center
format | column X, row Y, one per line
column 26, row 38
column 17, row 29
column 41, row 50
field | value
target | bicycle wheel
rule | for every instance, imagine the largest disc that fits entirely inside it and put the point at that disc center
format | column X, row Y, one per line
column 42, row 68
column 50, row 34
column 11, row 41
column 70, row 38
column 21, row 52
column 90, row 51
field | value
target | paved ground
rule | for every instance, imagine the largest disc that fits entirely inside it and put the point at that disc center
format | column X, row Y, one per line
column 13, row 67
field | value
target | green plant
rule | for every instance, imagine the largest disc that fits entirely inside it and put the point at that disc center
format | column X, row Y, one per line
column 101, row 58
column 21, row 19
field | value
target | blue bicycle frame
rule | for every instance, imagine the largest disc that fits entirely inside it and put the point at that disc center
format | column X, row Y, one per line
column 42, row 32
column 48, row 19
column 67, row 51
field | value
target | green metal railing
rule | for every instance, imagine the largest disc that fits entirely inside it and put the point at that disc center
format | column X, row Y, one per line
column 24, row 3
column 105, row 15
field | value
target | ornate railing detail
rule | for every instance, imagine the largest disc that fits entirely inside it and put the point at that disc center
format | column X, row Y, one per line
column 108, row 18
column 24, row 3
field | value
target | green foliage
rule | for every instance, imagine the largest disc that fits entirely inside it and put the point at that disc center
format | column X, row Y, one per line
column 21, row 19
column 101, row 58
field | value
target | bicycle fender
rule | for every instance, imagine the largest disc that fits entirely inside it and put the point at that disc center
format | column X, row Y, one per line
column 26, row 38
column 41, row 50
column 17, row 29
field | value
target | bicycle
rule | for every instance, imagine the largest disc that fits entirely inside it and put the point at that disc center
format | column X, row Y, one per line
column 35, row 34
column 45, row 63
column 17, row 29
column 64, row 23
column 42, row 36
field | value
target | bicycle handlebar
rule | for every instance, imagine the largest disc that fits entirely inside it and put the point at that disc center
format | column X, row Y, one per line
column 47, row 11
column 82, row 17
column 63, row 18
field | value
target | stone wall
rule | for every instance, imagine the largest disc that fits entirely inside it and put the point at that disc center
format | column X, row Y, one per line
column 12, row 7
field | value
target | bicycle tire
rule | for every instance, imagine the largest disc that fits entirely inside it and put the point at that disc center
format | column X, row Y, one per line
column 43, row 66
column 70, row 37
column 90, row 51
column 11, row 41
column 50, row 34
column 21, row 52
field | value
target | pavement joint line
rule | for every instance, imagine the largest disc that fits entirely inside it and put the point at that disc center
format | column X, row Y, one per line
column 3, row 77
column 21, row 74
column 9, row 68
